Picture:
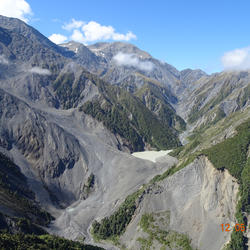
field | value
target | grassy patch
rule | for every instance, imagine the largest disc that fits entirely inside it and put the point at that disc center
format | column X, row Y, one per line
column 45, row 242
column 156, row 98
column 232, row 153
column 207, row 135
column 152, row 224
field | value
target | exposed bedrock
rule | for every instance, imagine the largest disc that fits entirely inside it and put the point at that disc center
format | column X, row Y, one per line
column 199, row 199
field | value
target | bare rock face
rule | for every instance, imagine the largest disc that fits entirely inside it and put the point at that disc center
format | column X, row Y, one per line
column 214, row 97
column 198, row 198
column 50, row 150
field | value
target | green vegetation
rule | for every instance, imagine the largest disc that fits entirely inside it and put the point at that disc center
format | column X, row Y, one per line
column 146, row 221
column 115, row 225
column 19, row 225
column 195, row 111
column 167, row 115
column 176, row 152
column 152, row 224
column 25, row 226
column 232, row 154
column 166, row 174
column 124, row 114
column 63, row 88
column 156, row 99
column 45, row 242
column 224, row 92
column 68, row 89
column 116, row 121
column 213, row 105
column 187, row 150
column 209, row 134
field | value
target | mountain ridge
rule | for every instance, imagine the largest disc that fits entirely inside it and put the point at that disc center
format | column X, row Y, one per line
column 69, row 118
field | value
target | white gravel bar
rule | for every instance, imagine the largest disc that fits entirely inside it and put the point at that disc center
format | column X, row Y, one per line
column 151, row 155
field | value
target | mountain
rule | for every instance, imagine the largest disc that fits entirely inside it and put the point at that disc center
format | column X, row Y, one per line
column 70, row 117
column 59, row 81
column 20, row 41
column 84, row 56
column 125, row 60
column 215, row 97
column 139, row 73
column 65, row 155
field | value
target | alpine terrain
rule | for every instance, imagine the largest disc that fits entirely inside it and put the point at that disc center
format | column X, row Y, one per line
column 105, row 147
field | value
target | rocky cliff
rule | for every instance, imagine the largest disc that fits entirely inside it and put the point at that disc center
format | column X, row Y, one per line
column 194, row 202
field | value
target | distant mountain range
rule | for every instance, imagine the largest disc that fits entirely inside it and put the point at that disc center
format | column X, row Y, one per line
column 70, row 116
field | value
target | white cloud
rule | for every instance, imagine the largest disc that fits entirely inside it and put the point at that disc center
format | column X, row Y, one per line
column 15, row 8
column 58, row 38
column 94, row 31
column 90, row 32
column 3, row 60
column 123, row 59
column 73, row 24
column 238, row 59
column 39, row 71
column 122, row 37
column 77, row 36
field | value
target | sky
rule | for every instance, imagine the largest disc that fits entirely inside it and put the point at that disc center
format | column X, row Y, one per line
column 210, row 35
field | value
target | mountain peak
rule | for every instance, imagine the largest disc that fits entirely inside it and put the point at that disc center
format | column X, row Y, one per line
column 26, row 43
column 111, row 49
column 74, row 46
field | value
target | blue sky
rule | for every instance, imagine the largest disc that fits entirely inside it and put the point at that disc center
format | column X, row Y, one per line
column 211, row 35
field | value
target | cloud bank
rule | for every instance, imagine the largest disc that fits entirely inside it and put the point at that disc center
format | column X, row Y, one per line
column 40, row 71
column 238, row 59
column 15, row 8
column 132, row 60
column 58, row 38
column 78, row 37
column 90, row 32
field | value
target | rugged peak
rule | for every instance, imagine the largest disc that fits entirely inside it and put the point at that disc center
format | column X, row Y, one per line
column 75, row 47
column 188, row 76
column 109, row 50
column 20, row 27
column 25, row 41
column 12, row 23
column 84, row 56
column 192, row 71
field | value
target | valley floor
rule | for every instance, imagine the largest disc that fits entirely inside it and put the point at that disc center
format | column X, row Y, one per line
column 153, row 156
